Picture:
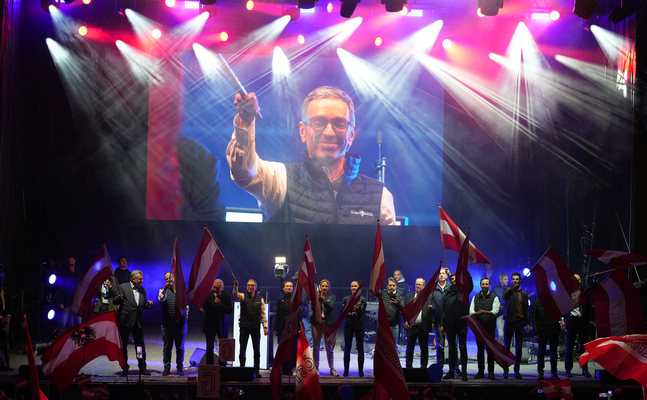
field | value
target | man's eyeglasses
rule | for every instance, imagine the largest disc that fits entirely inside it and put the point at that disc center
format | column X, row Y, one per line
column 319, row 124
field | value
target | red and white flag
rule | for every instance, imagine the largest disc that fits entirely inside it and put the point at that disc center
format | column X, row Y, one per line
column 83, row 380
column 88, row 287
column 354, row 299
column 36, row 393
column 64, row 358
column 499, row 352
column 181, row 297
column 378, row 273
column 464, row 283
column 411, row 310
column 613, row 298
column 307, row 280
column 88, row 393
column 205, row 269
column 307, row 377
column 453, row 238
column 386, row 362
column 289, row 336
column 557, row 389
column 619, row 259
column 557, row 288
column 103, row 390
column 624, row 357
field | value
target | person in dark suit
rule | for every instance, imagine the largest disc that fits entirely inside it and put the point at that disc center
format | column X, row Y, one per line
column 420, row 327
column 576, row 324
column 282, row 312
column 327, row 305
column 354, row 326
column 106, row 297
column 546, row 331
column 173, row 327
column 516, row 316
column 133, row 302
column 215, row 324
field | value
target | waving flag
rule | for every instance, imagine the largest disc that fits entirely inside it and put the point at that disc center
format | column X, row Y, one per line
column 619, row 259
column 496, row 350
column 307, row 280
column 289, row 336
column 387, row 369
column 463, row 278
column 307, row 377
column 181, row 299
column 453, row 239
column 378, row 274
column 411, row 310
column 354, row 299
column 204, row 269
column 64, row 358
column 90, row 284
column 557, row 389
column 618, row 307
column 557, row 288
column 33, row 369
column 624, row 357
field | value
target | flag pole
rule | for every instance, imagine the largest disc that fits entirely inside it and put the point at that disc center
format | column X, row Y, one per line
column 223, row 256
column 542, row 256
column 440, row 225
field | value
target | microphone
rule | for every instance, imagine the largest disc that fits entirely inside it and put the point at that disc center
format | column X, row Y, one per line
column 379, row 137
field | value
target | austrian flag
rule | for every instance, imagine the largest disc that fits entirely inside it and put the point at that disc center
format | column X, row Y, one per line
column 453, row 238
column 64, row 358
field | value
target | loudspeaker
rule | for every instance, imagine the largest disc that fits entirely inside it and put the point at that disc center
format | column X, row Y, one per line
column 237, row 374
column 199, row 357
column 416, row 375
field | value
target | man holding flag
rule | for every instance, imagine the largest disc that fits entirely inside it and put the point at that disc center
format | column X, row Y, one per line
column 419, row 328
column 516, row 316
column 452, row 325
column 354, row 326
column 174, row 327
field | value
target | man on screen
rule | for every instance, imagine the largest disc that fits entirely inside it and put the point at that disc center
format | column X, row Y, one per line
column 326, row 187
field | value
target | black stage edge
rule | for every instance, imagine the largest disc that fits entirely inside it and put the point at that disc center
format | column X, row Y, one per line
column 261, row 389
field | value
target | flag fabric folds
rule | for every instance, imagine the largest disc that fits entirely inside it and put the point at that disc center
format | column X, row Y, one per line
column 204, row 269
column 307, row 378
column 289, row 336
column 496, row 350
column 378, row 274
column 411, row 310
column 463, row 278
column 307, row 280
column 624, row 357
column 453, row 238
column 613, row 298
column 387, row 369
column 65, row 356
column 90, row 284
column 88, row 393
column 619, row 259
column 181, row 296
column 354, row 299
column 557, row 389
column 36, row 393
column 83, row 380
column 557, row 288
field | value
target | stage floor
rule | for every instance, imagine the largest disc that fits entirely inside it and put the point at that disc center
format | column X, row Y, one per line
column 103, row 370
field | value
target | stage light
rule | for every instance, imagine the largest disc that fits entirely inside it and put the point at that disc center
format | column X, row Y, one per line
column 293, row 12
column 584, row 8
column 554, row 15
column 623, row 10
column 86, row 2
column 404, row 11
column 307, row 10
column 329, row 8
column 170, row 3
column 553, row 286
column 348, row 8
column 208, row 2
column 301, row 39
column 249, row 5
column 490, row 7
column 447, row 43
column 211, row 9
column 123, row 5
column 479, row 13
column 224, row 36
column 378, row 41
column 52, row 278
column 393, row 5
column 280, row 64
column 415, row 13
column 69, row 1
column 306, row 3
column 526, row 272
column 193, row 5
column 47, row 3
column 156, row 33
column 51, row 314
column 540, row 16
column 83, row 30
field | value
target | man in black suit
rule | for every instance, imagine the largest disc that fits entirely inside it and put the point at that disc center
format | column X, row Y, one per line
column 420, row 327
column 576, row 324
column 216, row 307
column 173, row 327
column 132, row 299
